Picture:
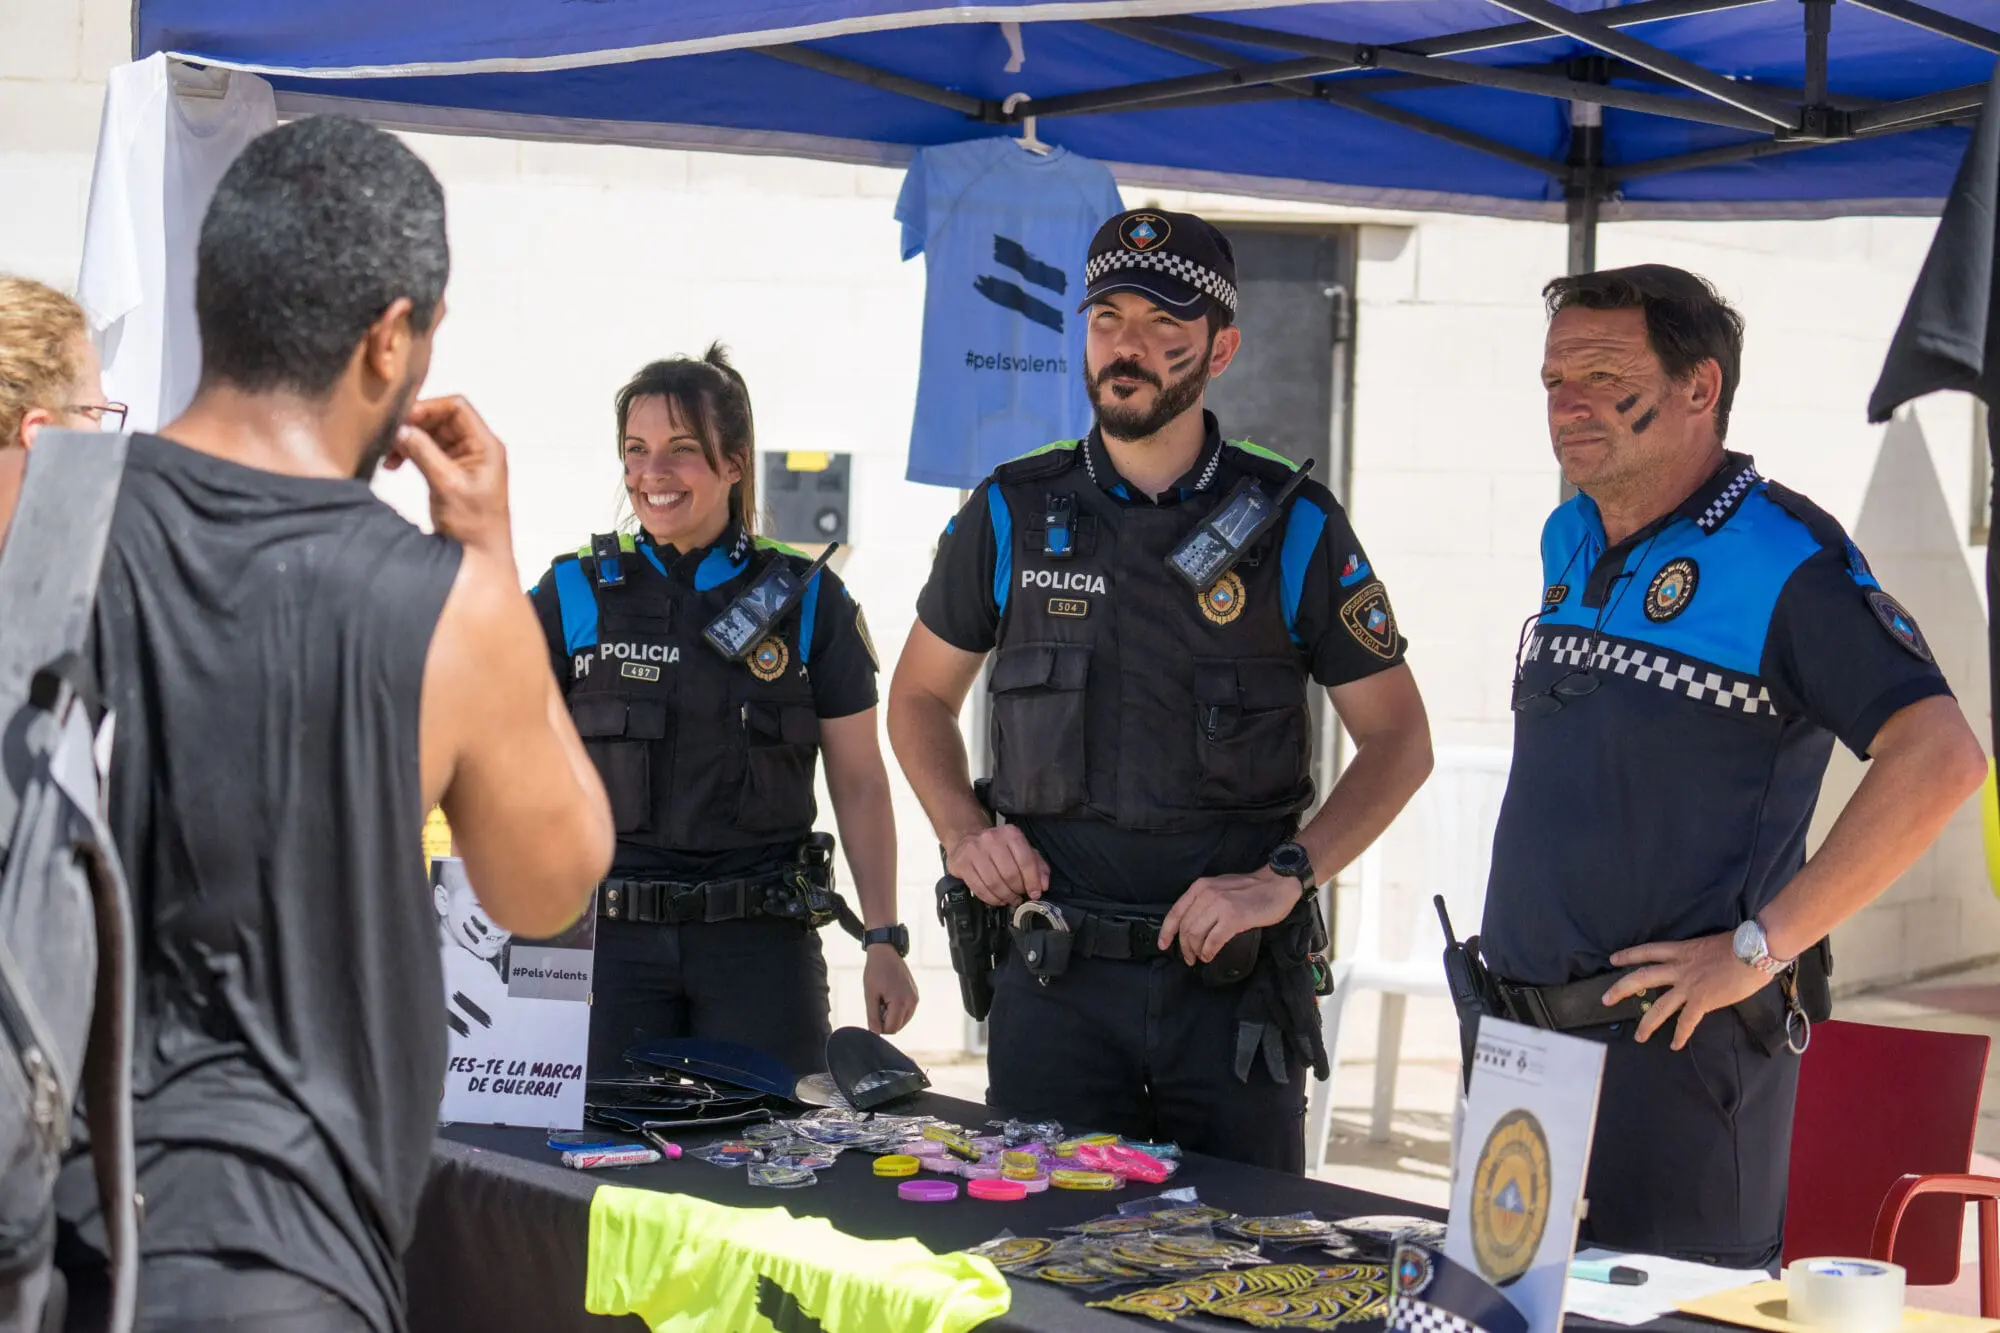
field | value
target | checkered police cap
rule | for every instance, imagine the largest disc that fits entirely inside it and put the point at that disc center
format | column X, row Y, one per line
column 1175, row 260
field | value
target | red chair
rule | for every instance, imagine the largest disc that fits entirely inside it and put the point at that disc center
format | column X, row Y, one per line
column 1881, row 1147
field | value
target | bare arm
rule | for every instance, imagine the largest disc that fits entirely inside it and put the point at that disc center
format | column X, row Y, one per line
column 928, row 689
column 1924, row 763
column 527, row 810
column 859, row 783
column 1385, row 715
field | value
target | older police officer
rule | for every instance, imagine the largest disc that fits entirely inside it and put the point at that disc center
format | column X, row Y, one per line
column 1150, row 728
column 1705, row 635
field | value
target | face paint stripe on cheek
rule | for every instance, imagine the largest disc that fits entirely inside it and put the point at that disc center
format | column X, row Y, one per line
column 1645, row 420
column 1628, row 404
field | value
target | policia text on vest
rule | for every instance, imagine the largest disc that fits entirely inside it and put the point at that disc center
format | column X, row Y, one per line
column 698, row 681
column 1150, row 728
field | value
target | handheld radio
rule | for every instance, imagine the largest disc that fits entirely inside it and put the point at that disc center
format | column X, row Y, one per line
column 758, row 609
column 1214, row 547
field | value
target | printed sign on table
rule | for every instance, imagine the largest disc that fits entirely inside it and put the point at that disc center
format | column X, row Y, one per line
column 1524, row 1150
column 518, row 1009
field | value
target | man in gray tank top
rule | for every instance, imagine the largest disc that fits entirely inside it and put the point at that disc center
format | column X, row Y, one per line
column 298, row 675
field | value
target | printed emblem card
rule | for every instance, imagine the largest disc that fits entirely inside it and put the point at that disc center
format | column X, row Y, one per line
column 1518, row 1187
column 518, row 1010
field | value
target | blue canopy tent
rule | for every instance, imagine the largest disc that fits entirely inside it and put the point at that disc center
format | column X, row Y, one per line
column 1518, row 108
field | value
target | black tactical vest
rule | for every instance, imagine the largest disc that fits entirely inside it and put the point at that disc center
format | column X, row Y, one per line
column 697, row 753
column 1115, row 689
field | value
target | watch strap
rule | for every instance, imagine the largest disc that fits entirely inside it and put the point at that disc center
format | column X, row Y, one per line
column 896, row 936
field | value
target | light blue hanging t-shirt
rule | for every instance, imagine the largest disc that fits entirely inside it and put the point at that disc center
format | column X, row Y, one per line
column 1004, row 233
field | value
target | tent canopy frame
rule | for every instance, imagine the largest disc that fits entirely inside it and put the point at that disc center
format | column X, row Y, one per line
column 1350, row 75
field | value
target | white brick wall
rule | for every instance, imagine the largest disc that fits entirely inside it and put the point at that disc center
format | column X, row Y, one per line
column 575, row 263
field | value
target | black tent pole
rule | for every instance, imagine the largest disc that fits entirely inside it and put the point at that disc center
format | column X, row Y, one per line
column 1582, row 194
column 1585, row 186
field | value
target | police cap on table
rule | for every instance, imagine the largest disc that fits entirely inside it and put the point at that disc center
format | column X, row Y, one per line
column 1175, row 260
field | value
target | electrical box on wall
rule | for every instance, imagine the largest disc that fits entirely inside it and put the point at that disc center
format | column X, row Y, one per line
column 804, row 496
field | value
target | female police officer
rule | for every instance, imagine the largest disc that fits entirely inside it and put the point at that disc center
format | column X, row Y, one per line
column 705, row 928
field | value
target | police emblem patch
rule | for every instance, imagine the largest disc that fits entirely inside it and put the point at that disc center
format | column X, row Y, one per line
column 1144, row 232
column 1902, row 626
column 770, row 658
column 1671, row 589
column 867, row 641
column 1224, row 602
column 1414, row 1269
column 1555, row 594
column 1371, row 622
column 1511, row 1185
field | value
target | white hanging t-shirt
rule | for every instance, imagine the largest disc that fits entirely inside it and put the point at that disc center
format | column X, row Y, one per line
column 159, row 159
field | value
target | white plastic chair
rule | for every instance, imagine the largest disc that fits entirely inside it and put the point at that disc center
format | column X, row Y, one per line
column 1447, row 830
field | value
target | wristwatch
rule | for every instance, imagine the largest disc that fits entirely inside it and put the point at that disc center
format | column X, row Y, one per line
column 1289, row 858
column 896, row 936
column 1753, row 949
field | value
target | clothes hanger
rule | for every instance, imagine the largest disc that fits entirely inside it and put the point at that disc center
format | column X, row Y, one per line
column 197, row 80
column 1028, row 140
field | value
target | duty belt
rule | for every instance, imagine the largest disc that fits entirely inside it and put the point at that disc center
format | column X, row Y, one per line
column 670, row 902
column 1574, row 1004
column 1048, row 935
column 1580, row 1004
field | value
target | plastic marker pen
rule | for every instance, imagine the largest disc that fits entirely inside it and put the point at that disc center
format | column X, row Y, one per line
column 1603, row 1270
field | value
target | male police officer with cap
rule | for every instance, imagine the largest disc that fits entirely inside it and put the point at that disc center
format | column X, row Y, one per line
column 1704, row 637
column 1151, row 737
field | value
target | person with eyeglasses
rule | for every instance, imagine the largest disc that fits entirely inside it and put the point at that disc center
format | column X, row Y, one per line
column 49, row 376
column 1705, row 635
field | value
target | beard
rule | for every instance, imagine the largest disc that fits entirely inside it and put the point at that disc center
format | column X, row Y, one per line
column 384, row 438
column 1125, row 421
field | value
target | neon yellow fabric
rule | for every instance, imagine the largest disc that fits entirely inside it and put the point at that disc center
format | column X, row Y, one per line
column 685, row 1265
column 1989, row 827
column 766, row 544
column 626, row 543
column 1047, row 448
column 1262, row 452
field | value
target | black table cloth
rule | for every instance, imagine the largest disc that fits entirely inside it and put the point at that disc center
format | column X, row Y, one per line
column 503, row 1234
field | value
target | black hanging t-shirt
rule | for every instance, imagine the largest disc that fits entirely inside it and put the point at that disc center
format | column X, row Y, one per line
column 262, row 641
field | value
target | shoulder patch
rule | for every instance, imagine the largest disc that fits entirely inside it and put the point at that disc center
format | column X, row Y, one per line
column 1370, row 621
column 867, row 640
column 1048, row 461
column 1902, row 626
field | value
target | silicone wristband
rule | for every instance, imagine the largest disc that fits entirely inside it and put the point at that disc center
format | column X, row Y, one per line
column 928, row 1191
column 997, row 1190
column 896, row 1164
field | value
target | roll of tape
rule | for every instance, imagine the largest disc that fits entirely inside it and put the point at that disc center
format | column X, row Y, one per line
column 1845, row 1295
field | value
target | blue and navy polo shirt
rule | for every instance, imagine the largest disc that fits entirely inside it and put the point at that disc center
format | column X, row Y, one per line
column 1730, row 643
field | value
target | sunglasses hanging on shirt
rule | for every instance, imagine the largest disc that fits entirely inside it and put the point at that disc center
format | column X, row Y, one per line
column 758, row 608
column 1220, row 540
column 1581, row 679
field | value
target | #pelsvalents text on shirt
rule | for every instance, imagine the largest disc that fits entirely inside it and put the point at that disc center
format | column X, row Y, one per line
column 1004, row 233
